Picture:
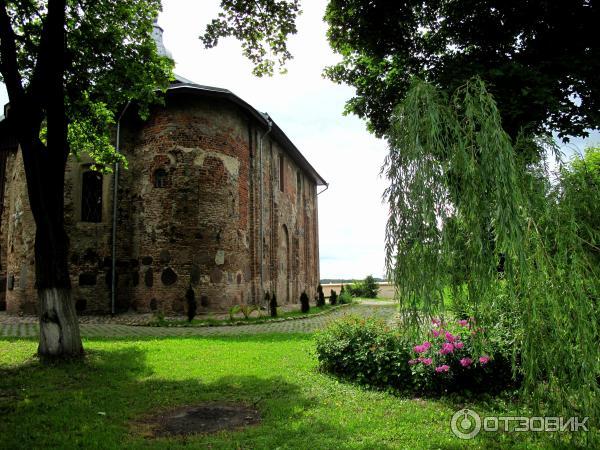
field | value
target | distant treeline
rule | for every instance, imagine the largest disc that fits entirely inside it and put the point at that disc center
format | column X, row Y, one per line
column 346, row 281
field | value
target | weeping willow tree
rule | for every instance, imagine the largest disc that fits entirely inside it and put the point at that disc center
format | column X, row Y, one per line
column 464, row 200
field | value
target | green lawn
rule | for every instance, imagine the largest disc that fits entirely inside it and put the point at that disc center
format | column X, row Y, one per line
column 59, row 406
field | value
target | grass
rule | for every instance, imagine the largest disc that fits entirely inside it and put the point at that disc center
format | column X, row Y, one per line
column 212, row 322
column 59, row 406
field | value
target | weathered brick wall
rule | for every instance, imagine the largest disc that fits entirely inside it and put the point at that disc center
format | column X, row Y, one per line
column 19, row 228
column 201, row 228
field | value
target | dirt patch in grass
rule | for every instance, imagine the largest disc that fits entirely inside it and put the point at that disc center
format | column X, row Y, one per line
column 205, row 418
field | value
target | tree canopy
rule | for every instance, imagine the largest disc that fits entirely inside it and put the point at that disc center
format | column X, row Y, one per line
column 536, row 56
column 69, row 67
column 262, row 26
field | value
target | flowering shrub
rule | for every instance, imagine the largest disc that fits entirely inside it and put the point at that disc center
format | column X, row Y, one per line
column 366, row 351
column 447, row 360
column 455, row 357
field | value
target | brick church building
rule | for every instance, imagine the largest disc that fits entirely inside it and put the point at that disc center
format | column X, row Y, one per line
column 215, row 197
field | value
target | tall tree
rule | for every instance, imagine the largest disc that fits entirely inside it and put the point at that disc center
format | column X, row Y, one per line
column 61, row 61
column 537, row 57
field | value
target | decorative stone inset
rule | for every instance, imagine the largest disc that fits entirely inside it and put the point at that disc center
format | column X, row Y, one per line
column 10, row 284
column 220, row 258
column 194, row 274
column 80, row 305
column 87, row 279
column 204, row 301
column 164, row 256
column 216, row 275
column 147, row 260
column 168, row 277
column 149, row 278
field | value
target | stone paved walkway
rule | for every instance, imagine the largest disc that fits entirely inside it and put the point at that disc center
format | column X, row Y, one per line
column 381, row 310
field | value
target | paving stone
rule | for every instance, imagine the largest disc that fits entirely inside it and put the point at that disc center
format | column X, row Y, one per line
column 308, row 325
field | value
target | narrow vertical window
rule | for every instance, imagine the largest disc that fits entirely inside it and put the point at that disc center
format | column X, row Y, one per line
column 298, row 187
column 281, row 173
column 91, row 197
column 160, row 178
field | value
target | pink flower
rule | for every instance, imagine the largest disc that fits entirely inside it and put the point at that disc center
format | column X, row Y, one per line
column 459, row 345
column 420, row 349
column 446, row 348
column 449, row 337
column 412, row 362
column 436, row 333
column 466, row 362
column 436, row 322
column 484, row 359
column 463, row 323
column 443, row 368
column 426, row 361
column 426, row 345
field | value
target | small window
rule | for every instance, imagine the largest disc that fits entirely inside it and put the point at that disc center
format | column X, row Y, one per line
column 281, row 173
column 160, row 178
column 298, row 186
column 91, row 197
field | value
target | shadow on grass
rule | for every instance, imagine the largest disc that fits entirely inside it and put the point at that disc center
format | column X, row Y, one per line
column 93, row 403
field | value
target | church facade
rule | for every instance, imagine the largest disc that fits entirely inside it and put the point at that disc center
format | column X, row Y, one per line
column 215, row 197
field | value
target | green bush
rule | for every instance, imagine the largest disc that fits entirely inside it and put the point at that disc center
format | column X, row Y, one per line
column 192, row 305
column 272, row 304
column 333, row 298
column 320, row 297
column 304, row 303
column 365, row 351
column 368, row 288
column 345, row 297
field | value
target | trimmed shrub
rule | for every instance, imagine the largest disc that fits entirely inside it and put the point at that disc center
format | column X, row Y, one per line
column 192, row 306
column 333, row 297
column 365, row 351
column 273, row 305
column 304, row 303
column 344, row 297
column 320, row 297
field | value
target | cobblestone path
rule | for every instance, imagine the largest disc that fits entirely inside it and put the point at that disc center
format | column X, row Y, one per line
column 382, row 310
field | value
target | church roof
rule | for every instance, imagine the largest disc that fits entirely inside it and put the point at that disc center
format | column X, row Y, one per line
column 185, row 86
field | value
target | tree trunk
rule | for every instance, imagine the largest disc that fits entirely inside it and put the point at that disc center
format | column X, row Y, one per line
column 45, row 172
column 59, row 329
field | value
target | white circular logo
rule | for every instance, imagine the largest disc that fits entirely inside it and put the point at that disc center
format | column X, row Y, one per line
column 465, row 424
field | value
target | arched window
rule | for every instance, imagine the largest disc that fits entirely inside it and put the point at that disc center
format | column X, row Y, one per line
column 91, row 196
column 160, row 178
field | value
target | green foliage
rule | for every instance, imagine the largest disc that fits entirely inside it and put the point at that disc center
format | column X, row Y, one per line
column 333, row 298
column 272, row 304
column 512, row 46
column 235, row 309
column 370, row 287
column 304, row 302
column 262, row 26
column 320, row 297
column 192, row 305
column 111, row 59
column 345, row 297
column 367, row 288
column 365, row 351
column 460, row 191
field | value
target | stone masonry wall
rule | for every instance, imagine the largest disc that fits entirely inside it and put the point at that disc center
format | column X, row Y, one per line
column 200, row 226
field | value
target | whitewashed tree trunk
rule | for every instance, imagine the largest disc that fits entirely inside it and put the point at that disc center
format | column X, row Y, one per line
column 59, row 328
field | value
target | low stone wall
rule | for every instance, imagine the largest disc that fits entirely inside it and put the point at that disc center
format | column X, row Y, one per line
column 386, row 290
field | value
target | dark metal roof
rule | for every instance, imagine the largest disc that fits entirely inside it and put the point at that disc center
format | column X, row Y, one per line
column 184, row 85
column 264, row 119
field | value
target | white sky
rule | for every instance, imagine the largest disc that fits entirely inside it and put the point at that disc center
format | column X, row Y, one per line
column 308, row 109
